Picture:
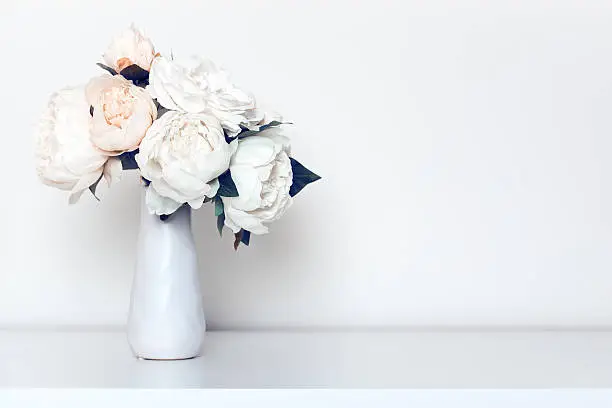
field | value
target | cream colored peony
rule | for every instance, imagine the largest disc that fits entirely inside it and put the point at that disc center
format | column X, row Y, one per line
column 66, row 158
column 182, row 155
column 197, row 85
column 122, row 113
column 261, row 170
column 129, row 48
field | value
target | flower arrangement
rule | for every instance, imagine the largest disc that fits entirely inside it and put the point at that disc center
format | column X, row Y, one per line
column 194, row 136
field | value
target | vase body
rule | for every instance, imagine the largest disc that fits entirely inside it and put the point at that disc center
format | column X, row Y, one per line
column 166, row 319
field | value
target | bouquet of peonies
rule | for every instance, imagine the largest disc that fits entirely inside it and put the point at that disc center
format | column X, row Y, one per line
column 194, row 135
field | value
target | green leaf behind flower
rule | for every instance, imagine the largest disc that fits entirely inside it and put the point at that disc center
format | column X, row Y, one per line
column 220, row 223
column 107, row 68
column 218, row 206
column 246, row 237
column 220, row 214
column 246, row 132
column 94, row 186
column 243, row 236
column 301, row 177
column 128, row 160
column 227, row 187
column 136, row 74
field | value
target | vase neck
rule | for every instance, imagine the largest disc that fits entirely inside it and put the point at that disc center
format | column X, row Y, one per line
column 181, row 217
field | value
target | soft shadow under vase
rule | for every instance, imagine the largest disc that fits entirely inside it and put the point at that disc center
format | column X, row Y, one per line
column 166, row 320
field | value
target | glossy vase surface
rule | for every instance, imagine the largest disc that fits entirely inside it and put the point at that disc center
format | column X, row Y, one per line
column 166, row 319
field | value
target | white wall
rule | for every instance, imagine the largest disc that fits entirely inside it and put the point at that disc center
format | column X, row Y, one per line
column 465, row 151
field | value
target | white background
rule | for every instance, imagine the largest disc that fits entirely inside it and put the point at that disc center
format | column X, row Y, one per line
column 465, row 149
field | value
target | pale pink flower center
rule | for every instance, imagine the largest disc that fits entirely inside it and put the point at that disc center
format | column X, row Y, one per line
column 117, row 105
column 123, row 63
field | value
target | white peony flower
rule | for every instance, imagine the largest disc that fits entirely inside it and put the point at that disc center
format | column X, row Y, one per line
column 66, row 158
column 197, row 85
column 261, row 170
column 129, row 48
column 261, row 117
column 122, row 113
column 182, row 155
column 269, row 117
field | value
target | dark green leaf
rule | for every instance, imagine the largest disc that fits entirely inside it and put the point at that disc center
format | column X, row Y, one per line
column 93, row 188
column 227, row 188
column 246, row 237
column 219, row 214
column 128, row 160
column 135, row 74
column 272, row 124
column 301, row 177
column 228, row 139
column 242, row 236
column 218, row 207
column 107, row 68
column 246, row 132
column 220, row 223
column 160, row 111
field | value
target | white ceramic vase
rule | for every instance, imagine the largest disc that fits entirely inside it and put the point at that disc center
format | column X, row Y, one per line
column 166, row 320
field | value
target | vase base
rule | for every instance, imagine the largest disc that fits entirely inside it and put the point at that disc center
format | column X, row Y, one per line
column 166, row 359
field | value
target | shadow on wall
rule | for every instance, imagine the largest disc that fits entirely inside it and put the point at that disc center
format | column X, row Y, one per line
column 258, row 280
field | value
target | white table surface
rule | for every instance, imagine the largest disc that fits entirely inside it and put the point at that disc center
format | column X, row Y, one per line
column 415, row 360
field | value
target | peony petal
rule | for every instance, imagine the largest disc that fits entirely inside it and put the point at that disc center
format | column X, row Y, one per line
column 158, row 204
column 237, row 219
column 211, row 165
column 161, row 70
column 187, row 102
column 214, row 187
column 136, row 129
column 83, row 184
column 277, row 210
column 122, row 113
column 131, row 45
column 112, row 171
column 94, row 88
column 197, row 85
column 232, row 127
column 263, row 188
column 249, row 188
column 254, row 151
column 197, row 203
column 228, row 220
column 282, row 142
column 166, row 190
column 263, row 172
column 190, row 186
column 75, row 196
column 66, row 159
column 153, row 140
column 183, row 155
column 150, row 169
column 109, row 139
